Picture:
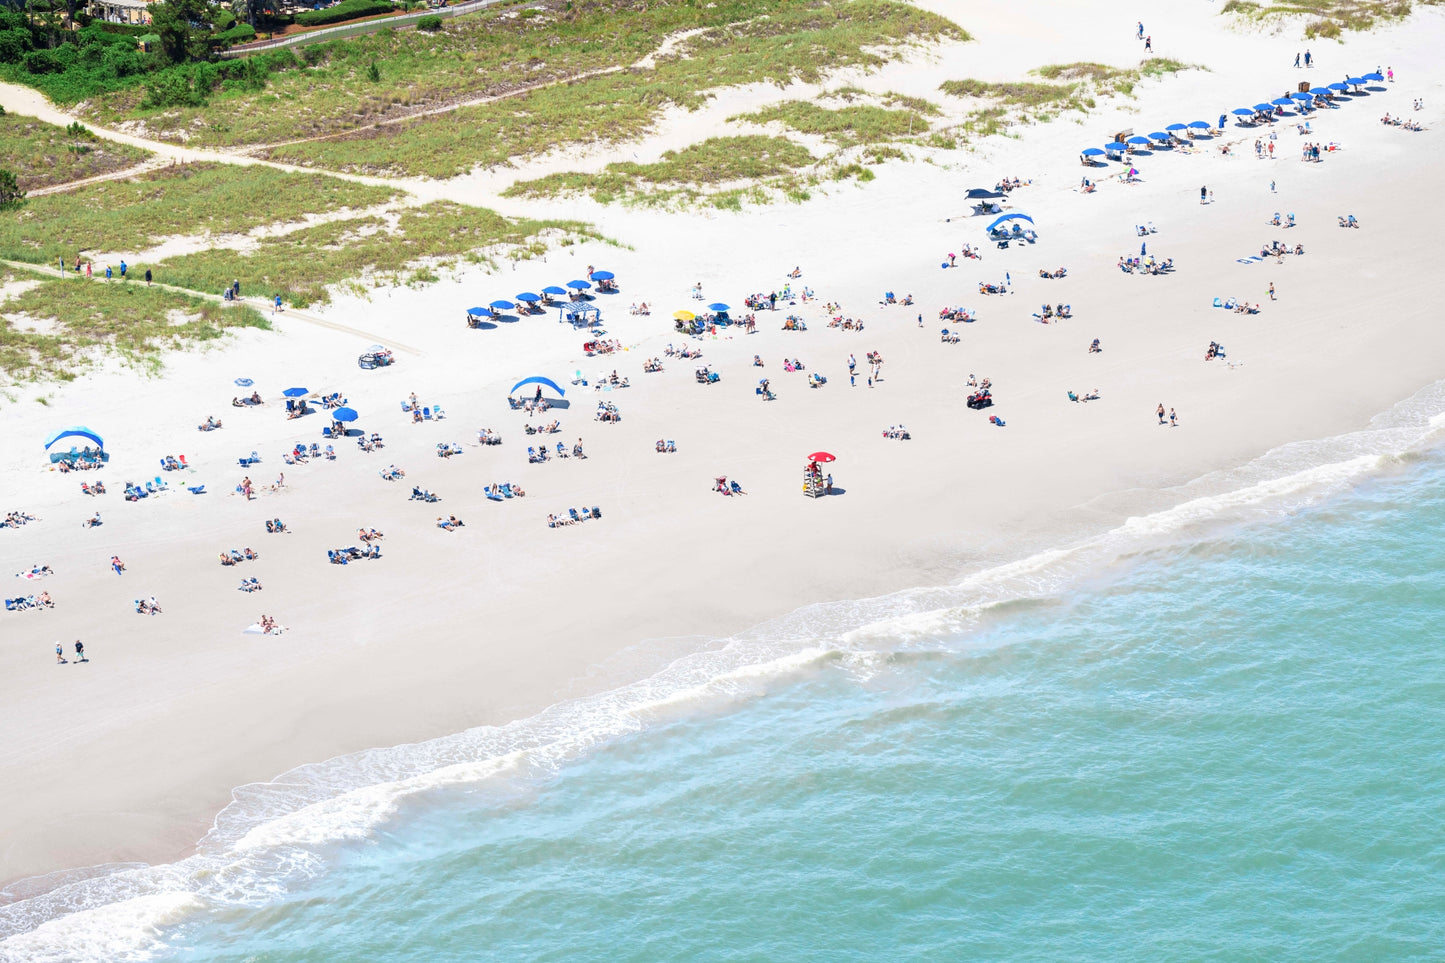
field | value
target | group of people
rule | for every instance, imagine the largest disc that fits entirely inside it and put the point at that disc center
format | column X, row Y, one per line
column 234, row 557
column 147, row 606
column 572, row 516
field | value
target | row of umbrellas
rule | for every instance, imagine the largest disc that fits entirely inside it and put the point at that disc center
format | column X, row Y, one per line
column 1299, row 97
column 528, row 297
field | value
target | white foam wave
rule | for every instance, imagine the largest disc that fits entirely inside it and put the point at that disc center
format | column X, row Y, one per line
column 275, row 834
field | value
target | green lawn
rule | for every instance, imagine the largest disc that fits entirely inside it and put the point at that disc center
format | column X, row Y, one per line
column 43, row 155
column 131, row 215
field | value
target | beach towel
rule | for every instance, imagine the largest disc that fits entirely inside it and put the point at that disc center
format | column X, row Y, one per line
column 1252, row 259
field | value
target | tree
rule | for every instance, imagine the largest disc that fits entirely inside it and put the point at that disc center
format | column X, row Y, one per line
column 179, row 25
column 10, row 192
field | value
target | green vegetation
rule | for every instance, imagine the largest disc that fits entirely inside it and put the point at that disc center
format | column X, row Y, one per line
column 345, row 10
column 132, row 215
column 1327, row 18
column 302, row 264
column 54, row 328
column 743, row 41
column 845, row 126
column 1074, row 86
column 767, row 161
column 43, row 155
column 431, row 23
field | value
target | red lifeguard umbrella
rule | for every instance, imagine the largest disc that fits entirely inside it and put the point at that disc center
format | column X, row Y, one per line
column 821, row 456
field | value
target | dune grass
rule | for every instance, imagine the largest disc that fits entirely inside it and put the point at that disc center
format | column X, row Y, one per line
column 742, row 41
column 845, row 126
column 1328, row 19
column 187, row 199
column 44, row 155
column 406, row 247
column 678, row 174
column 57, row 327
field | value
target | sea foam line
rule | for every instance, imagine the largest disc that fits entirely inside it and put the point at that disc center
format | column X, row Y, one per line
column 272, row 834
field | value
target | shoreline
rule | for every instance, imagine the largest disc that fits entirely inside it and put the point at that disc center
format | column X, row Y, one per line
column 131, row 755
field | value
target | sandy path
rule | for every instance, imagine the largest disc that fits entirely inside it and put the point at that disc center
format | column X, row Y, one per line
column 289, row 313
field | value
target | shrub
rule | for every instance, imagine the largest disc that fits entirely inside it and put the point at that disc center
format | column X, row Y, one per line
column 240, row 33
column 345, row 10
column 430, row 23
column 10, row 192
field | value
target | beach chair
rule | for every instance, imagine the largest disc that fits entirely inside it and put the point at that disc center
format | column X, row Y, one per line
column 197, row 489
column 426, row 414
column 573, row 513
column 1219, row 302
column 326, row 432
column 437, row 413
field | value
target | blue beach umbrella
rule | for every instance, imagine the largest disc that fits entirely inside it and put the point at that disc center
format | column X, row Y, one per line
column 1339, row 86
column 1357, row 81
column 344, row 414
column 1281, row 102
column 1138, row 140
column 502, row 305
column 1374, row 76
column 1159, row 135
column 244, row 382
column 578, row 285
column 78, row 431
column 719, row 306
column 1009, row 217
column 602, row 275
column 537, row 380
column 1266, row 108
column 1177, row 127
column 1116, row 145
column 553, row 289
column 1092, row 151
column 1301, row 95
column 1243, row 111
column 295, row 392
column 1199, row 125
column 529, row 297
column 479, row 312
column 1319, row 91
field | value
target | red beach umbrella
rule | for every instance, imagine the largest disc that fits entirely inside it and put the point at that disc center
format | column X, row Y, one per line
column 821, row 456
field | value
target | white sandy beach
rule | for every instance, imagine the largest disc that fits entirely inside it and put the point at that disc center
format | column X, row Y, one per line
column 130, row 756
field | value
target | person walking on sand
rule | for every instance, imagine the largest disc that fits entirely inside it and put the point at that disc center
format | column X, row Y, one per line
column 1271, row 290
column 1390, row 74
column 1173, row 419
column 1309, row 59
column 1296, row 59
column 1148, row 44
column 80, row 652
column 1141, row 30
column 1160, row 412
column 920, row 320
column 951, row 257
column 1203, row 194
column 59, row 654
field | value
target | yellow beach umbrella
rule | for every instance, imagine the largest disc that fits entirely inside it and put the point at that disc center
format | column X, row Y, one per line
column 684, row 315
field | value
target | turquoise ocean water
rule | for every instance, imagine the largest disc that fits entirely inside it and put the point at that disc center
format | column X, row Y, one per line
column 1214, row 734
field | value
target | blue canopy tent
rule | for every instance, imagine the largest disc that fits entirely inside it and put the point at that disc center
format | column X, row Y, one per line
column 528, row 297
column 553, row 289
column 295, row 393
column 501, row 305
column 78, row 431
column 578, row 285
column 537, row 380
column 602, row 275
column 998, row 232
column 578, row 313
column 344, row 414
